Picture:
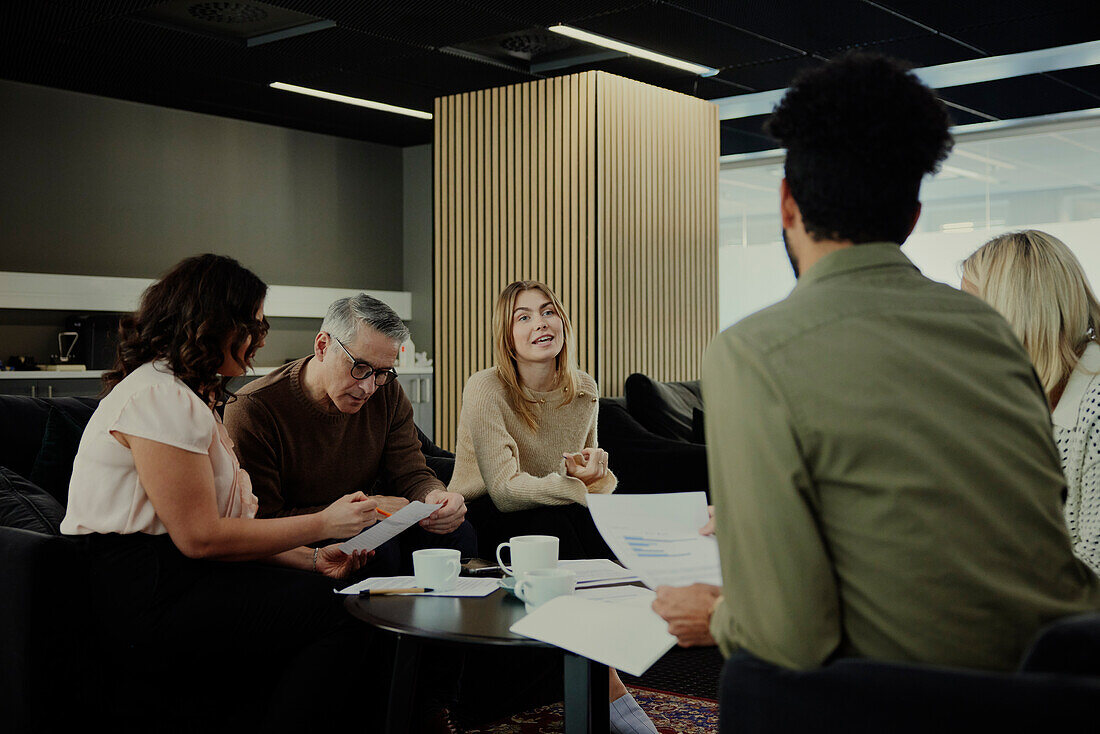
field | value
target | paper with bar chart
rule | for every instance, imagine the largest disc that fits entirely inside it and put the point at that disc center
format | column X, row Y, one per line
column 657, row 536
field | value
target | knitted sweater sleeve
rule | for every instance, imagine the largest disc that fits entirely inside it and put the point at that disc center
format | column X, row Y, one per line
column 497, row 453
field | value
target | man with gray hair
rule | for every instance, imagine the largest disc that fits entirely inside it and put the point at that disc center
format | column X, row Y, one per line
column 336, row 422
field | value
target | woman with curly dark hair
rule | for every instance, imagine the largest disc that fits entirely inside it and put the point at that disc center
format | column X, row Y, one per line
column 158, row 498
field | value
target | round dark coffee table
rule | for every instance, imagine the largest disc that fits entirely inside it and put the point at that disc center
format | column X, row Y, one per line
column 472, row 621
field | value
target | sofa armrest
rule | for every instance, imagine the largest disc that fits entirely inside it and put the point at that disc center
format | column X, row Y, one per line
column 854, row 695
column 1070, row 645
column 644, row 462
column 43, row 620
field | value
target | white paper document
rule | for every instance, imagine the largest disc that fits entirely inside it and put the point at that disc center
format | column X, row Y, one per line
column 628, row 637
column 598, row 572
column 463, row 587
column 380, row 532
column 657, row 536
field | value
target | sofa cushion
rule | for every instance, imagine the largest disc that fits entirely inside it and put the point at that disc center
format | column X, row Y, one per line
column 664, row 408
column 23, row 424
column 645, row 462
column 27, row 506
column 53, row 467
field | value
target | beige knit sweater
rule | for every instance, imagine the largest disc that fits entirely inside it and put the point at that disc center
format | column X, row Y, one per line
column 499, row 454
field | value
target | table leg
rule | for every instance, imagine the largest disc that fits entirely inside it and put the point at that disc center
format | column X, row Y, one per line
column 403, row 685
column 586, row 705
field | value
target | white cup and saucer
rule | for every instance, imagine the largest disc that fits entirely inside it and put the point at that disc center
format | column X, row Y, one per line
column 436, row 568
column 543, row 584
column 527, row 553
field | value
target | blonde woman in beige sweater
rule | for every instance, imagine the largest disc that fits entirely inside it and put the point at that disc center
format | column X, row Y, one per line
column 527, row 457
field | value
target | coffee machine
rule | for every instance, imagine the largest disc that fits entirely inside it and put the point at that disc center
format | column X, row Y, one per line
column 96, row 340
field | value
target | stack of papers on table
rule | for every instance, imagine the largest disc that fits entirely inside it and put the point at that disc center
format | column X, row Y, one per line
column 463, row 587
column 628, row 637
column 657, row 536
column 598, row 572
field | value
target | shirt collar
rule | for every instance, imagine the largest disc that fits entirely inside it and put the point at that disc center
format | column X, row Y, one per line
column 1065, row 415
column 856, row 257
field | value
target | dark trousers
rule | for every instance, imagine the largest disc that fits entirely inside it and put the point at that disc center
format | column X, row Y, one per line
column 228, row 643
column 571, row 524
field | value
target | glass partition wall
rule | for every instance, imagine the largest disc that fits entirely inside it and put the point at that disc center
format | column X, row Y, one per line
column 1040, row 173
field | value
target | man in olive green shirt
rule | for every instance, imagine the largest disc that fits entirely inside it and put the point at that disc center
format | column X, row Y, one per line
column 884, row 478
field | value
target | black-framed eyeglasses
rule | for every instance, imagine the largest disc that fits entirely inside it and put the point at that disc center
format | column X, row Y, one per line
column 361, row 370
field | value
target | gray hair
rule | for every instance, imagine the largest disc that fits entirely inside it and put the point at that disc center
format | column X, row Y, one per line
column 346, row 315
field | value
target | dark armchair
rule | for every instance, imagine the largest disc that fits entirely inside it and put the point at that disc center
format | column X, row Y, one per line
column 654, row 436
column 1057, row 688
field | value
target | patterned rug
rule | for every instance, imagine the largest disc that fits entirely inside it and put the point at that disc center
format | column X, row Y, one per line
column 671, row 713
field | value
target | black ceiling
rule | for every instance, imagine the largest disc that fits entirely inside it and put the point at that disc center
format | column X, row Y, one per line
column 407, row 53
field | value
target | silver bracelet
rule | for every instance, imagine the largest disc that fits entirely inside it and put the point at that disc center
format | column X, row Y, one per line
column 315, row 558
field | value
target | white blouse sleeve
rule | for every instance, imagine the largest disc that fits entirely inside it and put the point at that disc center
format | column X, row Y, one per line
column 168, row 414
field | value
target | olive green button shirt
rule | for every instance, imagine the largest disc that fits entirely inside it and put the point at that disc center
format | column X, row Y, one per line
column 884, row 476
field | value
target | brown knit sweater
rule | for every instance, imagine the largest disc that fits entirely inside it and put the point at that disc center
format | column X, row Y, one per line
column 499, row 454
column 301, row 458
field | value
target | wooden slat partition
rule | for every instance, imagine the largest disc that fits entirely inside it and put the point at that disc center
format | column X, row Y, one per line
column 604, row 188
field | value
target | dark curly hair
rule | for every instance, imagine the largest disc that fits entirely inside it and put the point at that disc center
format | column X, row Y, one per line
column 860, row 132
column 188, row 317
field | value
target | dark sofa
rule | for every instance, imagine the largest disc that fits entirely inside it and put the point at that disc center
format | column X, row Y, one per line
column 1057, row 689
column 47, row 660
column 654, row 438
column 55, row 672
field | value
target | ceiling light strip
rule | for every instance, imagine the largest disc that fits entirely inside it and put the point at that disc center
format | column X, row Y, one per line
column 1056, row 122
column 943, row 76
column 638, row 51
column 991, row 68
column 358, row 102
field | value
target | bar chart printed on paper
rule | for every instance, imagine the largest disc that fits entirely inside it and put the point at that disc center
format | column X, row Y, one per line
column 657, row 536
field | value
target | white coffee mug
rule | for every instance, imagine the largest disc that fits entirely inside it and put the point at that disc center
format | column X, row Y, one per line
column 543, row 584
column 436, row 568
column 529, row 552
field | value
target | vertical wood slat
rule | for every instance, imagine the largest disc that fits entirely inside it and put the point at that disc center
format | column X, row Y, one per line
column 603, row 187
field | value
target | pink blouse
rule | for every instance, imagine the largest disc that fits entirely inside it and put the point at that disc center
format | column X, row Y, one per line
column 105, row 492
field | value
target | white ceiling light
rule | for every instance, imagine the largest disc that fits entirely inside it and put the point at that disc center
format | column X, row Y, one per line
column 351, row 100
column 638, row 51
column 955, row 74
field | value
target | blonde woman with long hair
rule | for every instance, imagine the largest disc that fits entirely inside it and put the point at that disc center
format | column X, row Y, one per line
column 527, row 431
column 1038, row 285
column 527, row 457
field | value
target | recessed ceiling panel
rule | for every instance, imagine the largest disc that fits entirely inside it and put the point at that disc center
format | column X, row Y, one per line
column 768, row 75
column 810, row 27
column 922, row 49
column 951, row 17
column 248, row 22
column 1025, row 96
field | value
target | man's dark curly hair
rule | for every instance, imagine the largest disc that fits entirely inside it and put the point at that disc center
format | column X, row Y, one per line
column 860, row 132
column 188, row 317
